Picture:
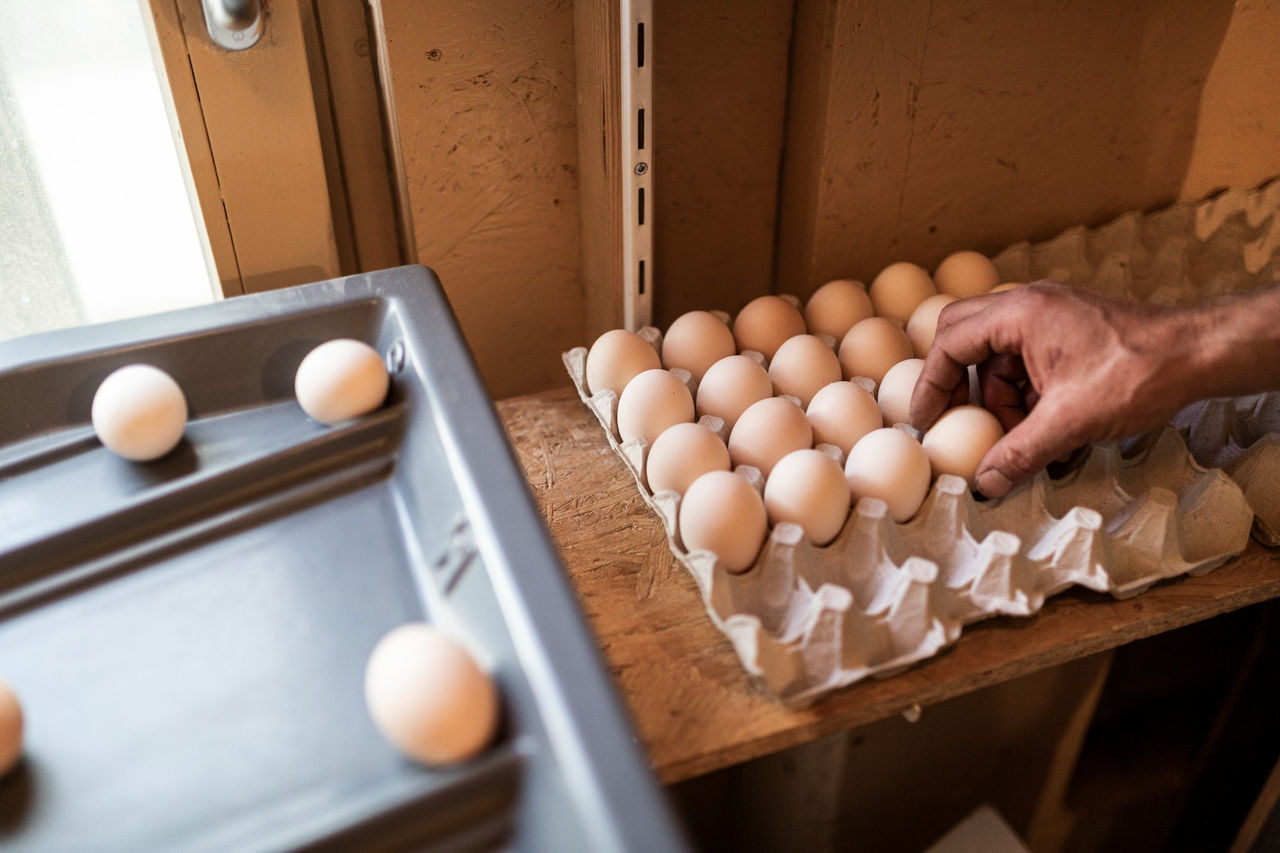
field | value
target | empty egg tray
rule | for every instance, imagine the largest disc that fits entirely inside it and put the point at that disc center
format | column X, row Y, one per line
column 807, row 620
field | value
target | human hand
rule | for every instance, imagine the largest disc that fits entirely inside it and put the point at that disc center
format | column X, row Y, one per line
column 1060, row 368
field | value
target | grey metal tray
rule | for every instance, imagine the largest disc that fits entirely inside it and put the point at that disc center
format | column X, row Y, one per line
column 189, row 636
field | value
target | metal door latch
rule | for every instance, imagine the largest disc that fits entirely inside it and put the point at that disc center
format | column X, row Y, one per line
column 233, row 24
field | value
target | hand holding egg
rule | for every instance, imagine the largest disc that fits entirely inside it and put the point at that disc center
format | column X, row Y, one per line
column 1099, row 367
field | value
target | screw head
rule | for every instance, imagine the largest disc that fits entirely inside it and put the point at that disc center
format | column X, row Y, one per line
column 641, row 168
column 433, row 54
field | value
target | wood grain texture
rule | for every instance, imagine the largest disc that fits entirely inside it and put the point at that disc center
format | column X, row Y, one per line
column 720, row 91
column 922, row 127
column 360, row 136
column 260, row 115
column 695, row 708
column 598, row 56
column 169, row 43
column 484, row 101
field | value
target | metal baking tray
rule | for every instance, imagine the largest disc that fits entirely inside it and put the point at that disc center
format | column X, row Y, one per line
column 188, row 636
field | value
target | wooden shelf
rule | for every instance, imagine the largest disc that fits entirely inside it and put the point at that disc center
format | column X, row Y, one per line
column 694, row 706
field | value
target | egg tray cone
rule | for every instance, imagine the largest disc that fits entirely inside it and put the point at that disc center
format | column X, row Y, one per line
column 808, row 620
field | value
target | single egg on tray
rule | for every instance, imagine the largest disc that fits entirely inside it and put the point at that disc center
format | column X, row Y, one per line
column 872, row 347
column 898, row 289
column 723, row 513
column 428, row 697
column 695, row 341
column 730, row 386
column 841, row 413
column 617, row 357
column 836, row 306
column 765, row 322
column 890, row 465
column 966, row 273
column 139, row 412
column 894, row 394
column 681, row 454
column 801, row 366
column 651, row 402
column 768, row 431
column 808, row 488
column 341, row 379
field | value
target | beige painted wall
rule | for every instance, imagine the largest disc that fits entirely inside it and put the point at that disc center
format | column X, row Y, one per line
column 911, row 128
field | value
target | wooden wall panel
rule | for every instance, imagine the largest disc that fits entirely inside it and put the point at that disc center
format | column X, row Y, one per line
column 598, row 55
column 720, row 90
column 484, row 100
column 925, row 126
column 1237, row 141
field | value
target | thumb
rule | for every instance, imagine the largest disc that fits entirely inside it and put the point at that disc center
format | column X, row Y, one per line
column 1024, row 450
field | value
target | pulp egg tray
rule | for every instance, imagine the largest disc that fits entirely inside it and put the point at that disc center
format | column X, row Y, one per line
column 807, row 620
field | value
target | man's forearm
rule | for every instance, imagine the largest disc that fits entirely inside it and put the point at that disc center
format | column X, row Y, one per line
column 1234, row 345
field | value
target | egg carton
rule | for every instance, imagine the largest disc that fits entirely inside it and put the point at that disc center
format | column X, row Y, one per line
column 1242, row 437
column 1179, row 255
column 807, row 620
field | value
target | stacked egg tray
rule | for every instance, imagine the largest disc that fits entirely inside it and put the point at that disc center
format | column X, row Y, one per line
column 807, row 620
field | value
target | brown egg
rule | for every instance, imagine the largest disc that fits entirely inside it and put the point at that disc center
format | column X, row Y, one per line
column 768, row 431
column 801, row 366
column 956, row 443
column 890, row 465
column 1008, row 285
column 723, row 513
column 429, row 697
column 651, row 402
column 808, row 488
column 764, row 323
column 616, row 358
column 923, row 325
column 836, row 306
column 695, row 341
column 964, row 274
column 730, row 386
column 898, row 289
column 841, row 413
column 681, row 454
column 872, row 347
column 894, row 394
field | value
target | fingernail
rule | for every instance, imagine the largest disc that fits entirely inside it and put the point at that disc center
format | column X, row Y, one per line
column 993, row 484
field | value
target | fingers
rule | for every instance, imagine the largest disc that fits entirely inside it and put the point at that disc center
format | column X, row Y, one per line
column 956, row 311
column 966, row 330
column 1040, row 439
column 942, row 380
column 1000, row 378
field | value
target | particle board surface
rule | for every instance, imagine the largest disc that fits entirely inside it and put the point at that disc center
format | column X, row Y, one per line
column 695, row 708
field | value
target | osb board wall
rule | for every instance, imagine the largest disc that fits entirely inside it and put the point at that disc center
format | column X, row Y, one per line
column 911, row 128
column 922, row 126
column 485, row 102
column 719, row 106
